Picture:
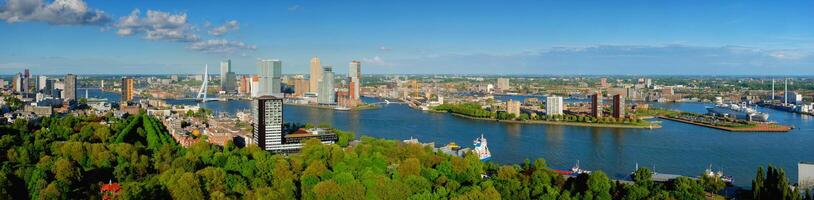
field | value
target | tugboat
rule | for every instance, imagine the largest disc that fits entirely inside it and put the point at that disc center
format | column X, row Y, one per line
column 481, row 149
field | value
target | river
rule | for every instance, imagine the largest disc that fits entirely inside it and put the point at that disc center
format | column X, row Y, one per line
column 676, row 148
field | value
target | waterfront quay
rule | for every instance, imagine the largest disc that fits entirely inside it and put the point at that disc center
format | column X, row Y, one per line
column 759, row 127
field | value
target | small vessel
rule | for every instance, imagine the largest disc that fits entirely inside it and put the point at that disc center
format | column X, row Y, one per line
column 482, row 149
column 453, row 146
column 342, row 108
column 720, row 174
column 577, row 171
column 738, row 111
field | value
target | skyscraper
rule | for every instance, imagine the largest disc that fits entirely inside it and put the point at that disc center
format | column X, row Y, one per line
column 502, row 84
column 326, row 87
column 49, row 88
column 26, row 81
column 225, row 67
column 596, row 104
column 618, row 106
column 354, row 80
column 127, row 89
column 603, row 82
column 301, row 86
column 70, row 87
column 267, row 112
column 254, row 90
column 17, row 83
column 41, row 82
column 316, row 75
column 553, row 105
column 244, row 85
column 270, row 72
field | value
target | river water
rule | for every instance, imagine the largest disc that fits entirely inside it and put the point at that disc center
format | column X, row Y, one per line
column 676, row 148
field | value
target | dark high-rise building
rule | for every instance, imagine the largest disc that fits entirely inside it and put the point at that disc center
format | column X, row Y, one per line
column 596, row 105
column 70, row 87
column 26, row 81
column 267, row 112
column 48, row 88
column 618, row 106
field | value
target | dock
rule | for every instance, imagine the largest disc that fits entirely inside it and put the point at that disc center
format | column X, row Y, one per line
column 761, row 127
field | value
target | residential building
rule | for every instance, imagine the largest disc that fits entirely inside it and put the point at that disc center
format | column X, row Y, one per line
column 127, row 89
column 618, row 106
column 805, row 175
column 316, row 75
column 69, row 92
column 41, row 81
column 553, row 105
column 596, row 104
column 513, row 107
column 255, row 86
column 225, row 67
column 269, row 72
column 326, row 89
column 245, row 85
column 603, row 82
column 18, row 83
column 354, row 80
column 267, row 117
column 502, row 84
column 301, row 86
column 26, row 81
column 267, row 113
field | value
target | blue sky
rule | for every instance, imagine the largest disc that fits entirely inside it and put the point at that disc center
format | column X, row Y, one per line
column 484, row 37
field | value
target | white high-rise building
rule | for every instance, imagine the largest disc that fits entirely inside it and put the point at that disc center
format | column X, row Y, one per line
column 225, row 67
column 326, row 88
column 41, row 82
column 355, row 76
column 18, row 82
column 270, row 72
column 254, row 87
column 553, row 105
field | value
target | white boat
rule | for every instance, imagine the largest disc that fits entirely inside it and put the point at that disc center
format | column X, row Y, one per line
column 341, row 108
column 576, row 170
column 720, row 174
column 482, row 149
column 736, row 111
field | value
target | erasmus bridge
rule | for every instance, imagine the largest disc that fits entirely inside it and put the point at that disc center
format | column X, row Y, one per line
column 202, row 92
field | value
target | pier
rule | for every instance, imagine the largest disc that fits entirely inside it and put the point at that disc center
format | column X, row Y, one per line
column 760, row 127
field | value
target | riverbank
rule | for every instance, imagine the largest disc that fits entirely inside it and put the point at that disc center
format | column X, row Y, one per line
column 652, row 126
column 359, row 108
column 757, row 128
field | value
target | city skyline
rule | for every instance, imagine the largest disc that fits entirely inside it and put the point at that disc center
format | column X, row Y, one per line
column 522, row 37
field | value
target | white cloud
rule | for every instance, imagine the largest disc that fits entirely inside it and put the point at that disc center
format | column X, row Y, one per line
column 58, row 12
column 157, row 25
column 220, row 46
column 294, row 7
column 787, row 55
column 225, row 28
column 376, row 60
